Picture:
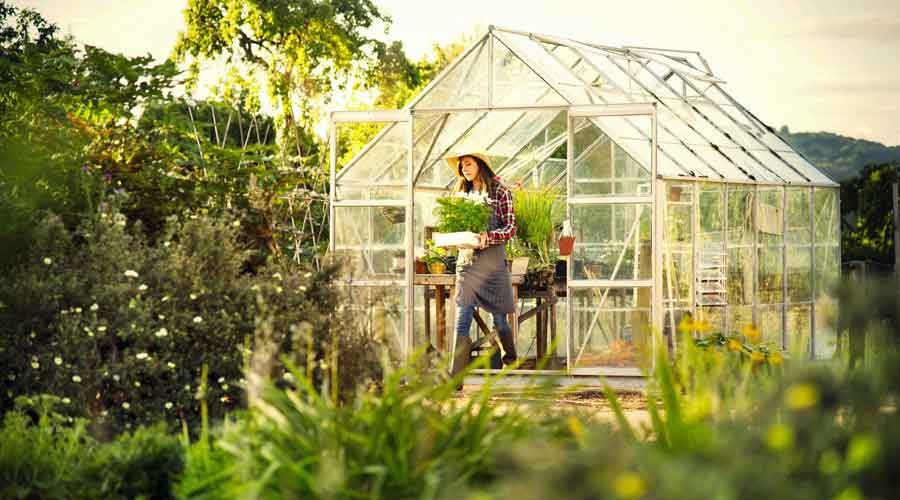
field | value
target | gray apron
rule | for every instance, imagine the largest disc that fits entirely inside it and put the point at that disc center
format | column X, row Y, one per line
column 485, row 282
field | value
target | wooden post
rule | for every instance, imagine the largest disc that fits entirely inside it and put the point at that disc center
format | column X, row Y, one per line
column 441, row 323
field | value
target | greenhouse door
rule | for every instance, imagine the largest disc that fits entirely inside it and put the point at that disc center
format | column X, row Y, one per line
column 612, row 302
column 371, row 222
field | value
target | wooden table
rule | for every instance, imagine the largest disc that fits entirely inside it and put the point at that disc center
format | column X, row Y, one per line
column 444, row 286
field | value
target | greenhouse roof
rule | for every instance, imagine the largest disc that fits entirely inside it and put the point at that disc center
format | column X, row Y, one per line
column 510, row 87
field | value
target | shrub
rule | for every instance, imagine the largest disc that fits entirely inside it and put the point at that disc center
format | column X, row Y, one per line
column 119, row 327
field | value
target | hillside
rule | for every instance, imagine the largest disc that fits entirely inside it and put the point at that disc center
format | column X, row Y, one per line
column 841, row 157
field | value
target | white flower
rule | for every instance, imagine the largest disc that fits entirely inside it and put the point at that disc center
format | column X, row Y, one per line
column 35, row 365
column 221, row 379
column 224, row 387
column 76, row 379
column 168, row 405
column 104, row 413
column 302, row 288
column 78, row 310
column 236, row 223
column 142, row 355
column 142, row 287
column 193, row 296
column 116, row 378
column 94, row 306
column 162, row 332
column 165, row 298
column 48, row 261
column 278, row 289
column 66, row 401
column 198, row 319
column 277, row 276
column 57, row 360
column 161, row 316
column 126, row 405
column 137, row 383
column 170, row 364
column 288, row 376
column 255, row 288
column 101, row 328
column 307, row 275
column 131, row 274
column 167, row 243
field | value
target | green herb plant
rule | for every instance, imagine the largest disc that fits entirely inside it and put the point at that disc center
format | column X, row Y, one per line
column 459, row 215
column 537, row 216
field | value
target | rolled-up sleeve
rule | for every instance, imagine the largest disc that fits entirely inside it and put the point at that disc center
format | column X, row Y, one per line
column 506, row 216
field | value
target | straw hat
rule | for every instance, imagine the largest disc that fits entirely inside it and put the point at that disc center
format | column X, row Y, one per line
column 453, row 159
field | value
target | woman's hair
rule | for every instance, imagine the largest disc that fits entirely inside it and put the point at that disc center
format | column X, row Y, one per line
column 485, row 175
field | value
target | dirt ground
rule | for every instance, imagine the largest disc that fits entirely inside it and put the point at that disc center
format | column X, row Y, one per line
column 592, row 403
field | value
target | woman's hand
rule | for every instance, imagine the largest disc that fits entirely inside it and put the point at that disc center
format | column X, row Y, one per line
column 482, row 240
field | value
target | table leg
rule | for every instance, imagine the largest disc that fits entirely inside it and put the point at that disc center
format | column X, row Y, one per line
column 440, row 328
column 540, row 339
column 427, row 315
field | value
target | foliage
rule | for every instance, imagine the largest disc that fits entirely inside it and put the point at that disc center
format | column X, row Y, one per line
column 410, row 439
column 120, row 326
column 44, row 454
column 867, row 215
column 306, row 49
column 456, row 214
column 433, row 253
column 538, row 214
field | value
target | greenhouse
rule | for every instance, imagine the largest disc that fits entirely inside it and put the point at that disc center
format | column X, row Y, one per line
column 682, row 203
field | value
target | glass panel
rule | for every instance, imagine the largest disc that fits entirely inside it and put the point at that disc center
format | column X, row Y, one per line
column 558, row 75
column 770, row 275
column 372, row 241
column 799, row 329
column 814, row 174
column 611, row 241
column 738, row 318
column 828, row 268
column 798, row 230
column 379, row 311
column 712, row 212
column 827, row 219
column 383, row 164
column 601, row 167
column 783, row 169
column 515, row 84
column 770, row 325
column 770, row 216
column 740, row 214
column 799, row 274
column 715, row 316
column 436, row 171
column 611, row 327
column 825, row 336
column 465, row 86
column 677, row 273
column 740, row 276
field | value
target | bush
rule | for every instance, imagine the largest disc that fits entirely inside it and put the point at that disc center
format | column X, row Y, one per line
column 120, row 327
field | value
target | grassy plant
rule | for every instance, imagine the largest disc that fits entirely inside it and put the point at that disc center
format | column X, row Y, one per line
column 460, row 214
column 537, row 215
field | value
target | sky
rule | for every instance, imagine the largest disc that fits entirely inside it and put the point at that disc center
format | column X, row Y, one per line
column 813, row 65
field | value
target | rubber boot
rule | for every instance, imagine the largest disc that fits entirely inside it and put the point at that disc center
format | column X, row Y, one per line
column 462, row 357
column 509, row 349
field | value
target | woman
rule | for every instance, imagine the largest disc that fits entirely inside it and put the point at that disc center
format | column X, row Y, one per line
column 484, row 283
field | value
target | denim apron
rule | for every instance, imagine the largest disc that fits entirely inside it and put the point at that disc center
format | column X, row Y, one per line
column 484, row 281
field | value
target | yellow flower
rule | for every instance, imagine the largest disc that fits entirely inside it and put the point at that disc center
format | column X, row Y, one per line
column 685, row 325
column 734, row 345
column 702, row 326
column 801, row 396
column 776, row 358
column 629, row 485
column 780, row 437
column 757, row 357
column 751, row 333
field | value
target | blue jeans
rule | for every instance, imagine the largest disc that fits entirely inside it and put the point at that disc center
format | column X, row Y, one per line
column 464, row 316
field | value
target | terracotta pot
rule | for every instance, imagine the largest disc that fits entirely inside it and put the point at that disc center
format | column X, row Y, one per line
column 421, row 268
column 566, row 245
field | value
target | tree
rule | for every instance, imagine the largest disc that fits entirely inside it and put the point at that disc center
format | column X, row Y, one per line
column 866, row 210
column 305, row 48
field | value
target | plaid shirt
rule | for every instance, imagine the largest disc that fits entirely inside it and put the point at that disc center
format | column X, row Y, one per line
column 506, row 216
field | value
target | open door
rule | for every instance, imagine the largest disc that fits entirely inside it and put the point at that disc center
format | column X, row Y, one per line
column 612, row 291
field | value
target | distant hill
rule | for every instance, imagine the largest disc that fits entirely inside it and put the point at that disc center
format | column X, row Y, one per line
column 839, row 156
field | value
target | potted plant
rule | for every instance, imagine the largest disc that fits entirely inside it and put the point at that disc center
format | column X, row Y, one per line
column 434, row 258
column 538, row 215
column 516, row 257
